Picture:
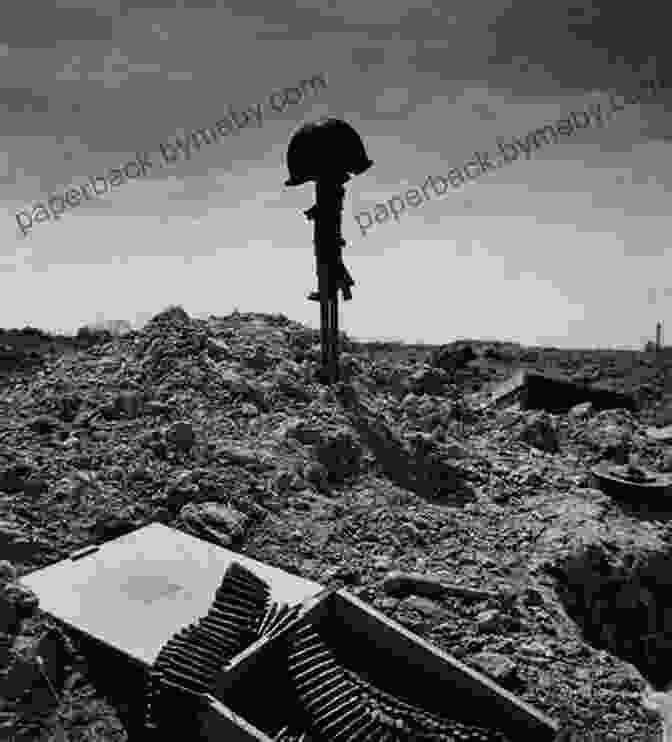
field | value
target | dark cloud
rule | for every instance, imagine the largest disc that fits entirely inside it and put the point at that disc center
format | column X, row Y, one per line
column 38, row 24
column 126, row 5
column 23, row 100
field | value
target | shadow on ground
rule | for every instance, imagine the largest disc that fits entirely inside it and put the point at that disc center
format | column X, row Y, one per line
column 422, row 472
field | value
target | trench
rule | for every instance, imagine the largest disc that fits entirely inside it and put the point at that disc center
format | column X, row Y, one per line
column 625, row 607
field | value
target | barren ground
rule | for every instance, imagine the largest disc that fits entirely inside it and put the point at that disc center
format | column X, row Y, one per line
column 399, row 470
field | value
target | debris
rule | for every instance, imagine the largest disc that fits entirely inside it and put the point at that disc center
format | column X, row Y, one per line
column 632, row 482
column 402, row 584
column 581, row 410
column 500, row 668
column 660, row 434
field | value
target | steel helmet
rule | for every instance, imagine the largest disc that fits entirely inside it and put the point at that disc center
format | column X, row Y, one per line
column 322, row 148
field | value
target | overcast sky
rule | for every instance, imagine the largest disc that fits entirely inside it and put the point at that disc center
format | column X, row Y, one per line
column 569, row 248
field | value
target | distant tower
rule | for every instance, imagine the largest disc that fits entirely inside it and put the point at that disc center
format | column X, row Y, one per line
column 659, row 335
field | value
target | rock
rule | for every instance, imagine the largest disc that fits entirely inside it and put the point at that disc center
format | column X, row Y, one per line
column 180, row 480
column 489, row 621
column 500, row 668
column 181, row 435
column 581, row 410
column 222, row 522
column 241, row 456
column 663, row 435
column 425, row 606
column 249, row 410
column 401, row 584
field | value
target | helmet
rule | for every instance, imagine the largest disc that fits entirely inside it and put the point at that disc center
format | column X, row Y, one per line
column 323, row 148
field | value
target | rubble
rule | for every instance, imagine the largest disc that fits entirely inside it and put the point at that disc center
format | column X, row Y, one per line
column 406, row 480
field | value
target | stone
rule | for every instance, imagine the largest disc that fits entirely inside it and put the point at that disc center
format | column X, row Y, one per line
column 500, row 668
column 427, row 607
column 401, row 584
column 242, row 456
column 489, row 621
column 581, row 410
column 216, row 519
